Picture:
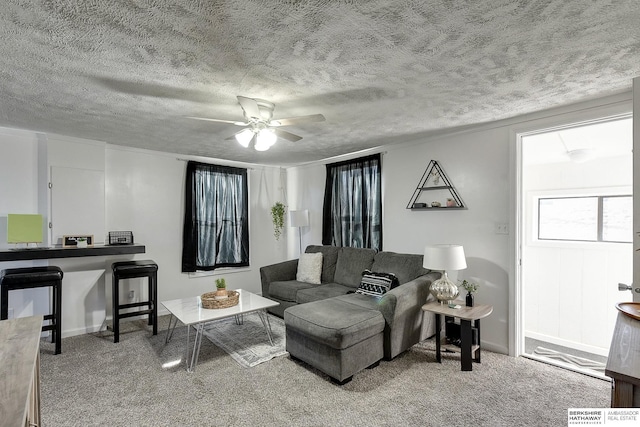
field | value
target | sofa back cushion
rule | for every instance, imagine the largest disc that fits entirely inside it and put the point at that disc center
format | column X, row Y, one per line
column 350, row 265
column 310, row 268
column 329, row 259
column 406, row 267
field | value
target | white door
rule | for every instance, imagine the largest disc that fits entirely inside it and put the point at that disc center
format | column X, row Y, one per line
column 77, row 203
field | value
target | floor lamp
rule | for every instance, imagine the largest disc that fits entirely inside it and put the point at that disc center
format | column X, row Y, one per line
column 299, row 219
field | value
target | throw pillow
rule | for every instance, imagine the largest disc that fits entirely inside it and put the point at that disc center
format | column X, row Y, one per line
column 310, row 268
column 377, row 284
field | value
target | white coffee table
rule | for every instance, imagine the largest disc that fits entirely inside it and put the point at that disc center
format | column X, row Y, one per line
column 189, row 311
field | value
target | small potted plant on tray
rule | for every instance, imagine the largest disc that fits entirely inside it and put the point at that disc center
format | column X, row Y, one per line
column 221, row 289
column 470, row 287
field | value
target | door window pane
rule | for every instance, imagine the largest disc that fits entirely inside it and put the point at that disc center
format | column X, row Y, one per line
column 571, row 218
column 617, row 219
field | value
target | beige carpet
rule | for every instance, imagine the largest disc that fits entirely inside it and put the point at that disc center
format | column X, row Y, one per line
column 95, row 382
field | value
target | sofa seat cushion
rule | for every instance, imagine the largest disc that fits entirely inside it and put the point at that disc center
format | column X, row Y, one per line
column 406, row 267
column 350, row 265
column 333, row 322
column 363, row 301
column 317, row 293
column 287, row 290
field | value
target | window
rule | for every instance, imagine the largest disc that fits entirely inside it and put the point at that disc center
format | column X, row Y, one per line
column 353, row 204
column 216, row 219
column 592, row 218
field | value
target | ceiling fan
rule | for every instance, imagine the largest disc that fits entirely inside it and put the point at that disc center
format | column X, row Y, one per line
column 261, row 129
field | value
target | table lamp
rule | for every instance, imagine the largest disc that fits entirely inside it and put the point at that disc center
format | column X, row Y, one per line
column 299, row 219
column 444, row 257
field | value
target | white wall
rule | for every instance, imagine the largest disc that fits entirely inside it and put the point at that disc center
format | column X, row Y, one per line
column 18, row 176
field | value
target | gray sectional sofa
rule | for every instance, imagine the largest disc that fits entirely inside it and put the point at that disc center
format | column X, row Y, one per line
column 341, row 332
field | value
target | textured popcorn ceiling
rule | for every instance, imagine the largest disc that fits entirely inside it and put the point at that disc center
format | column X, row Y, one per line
column 128, row 72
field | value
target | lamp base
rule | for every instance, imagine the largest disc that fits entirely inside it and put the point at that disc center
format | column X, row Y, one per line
column 444, row 290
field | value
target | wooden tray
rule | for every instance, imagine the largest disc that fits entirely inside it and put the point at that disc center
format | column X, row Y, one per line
column 631, row 309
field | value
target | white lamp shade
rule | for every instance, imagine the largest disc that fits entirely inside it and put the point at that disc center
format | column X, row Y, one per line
column 444, row 257
column 244, row 137
column 265, row 139
column 299, row 218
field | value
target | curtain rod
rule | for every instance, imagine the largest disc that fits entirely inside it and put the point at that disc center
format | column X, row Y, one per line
column 189, row 160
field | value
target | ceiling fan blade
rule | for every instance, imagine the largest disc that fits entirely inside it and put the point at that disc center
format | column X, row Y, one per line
column 234, row 135
column 295, row 120
column 250, row 107
column 219, row 121
column 287, row 135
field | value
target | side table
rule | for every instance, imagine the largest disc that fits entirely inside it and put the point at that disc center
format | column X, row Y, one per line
column 469, row 318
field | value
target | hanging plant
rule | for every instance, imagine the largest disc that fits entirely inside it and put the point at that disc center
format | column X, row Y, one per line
column 277, row 216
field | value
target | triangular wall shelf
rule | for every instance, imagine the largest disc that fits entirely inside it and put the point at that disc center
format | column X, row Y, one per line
column 442, row 192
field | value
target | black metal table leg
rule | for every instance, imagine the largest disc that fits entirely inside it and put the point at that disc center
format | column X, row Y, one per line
column 465, row 345
column 438, row 327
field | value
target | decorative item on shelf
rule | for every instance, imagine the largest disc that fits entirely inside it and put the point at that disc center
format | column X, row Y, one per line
column 470, row 287
column 444, row 257
column 436, row 177
column 120, row 238
column 435, row 204
column 209, row 301
column 451, row 203
column 221, row 286
column 77, row 241
column 277, row 216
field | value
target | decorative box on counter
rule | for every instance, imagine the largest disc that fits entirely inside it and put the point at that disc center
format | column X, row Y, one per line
column 120, row 238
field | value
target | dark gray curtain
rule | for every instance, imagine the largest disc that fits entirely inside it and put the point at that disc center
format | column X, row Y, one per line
column 353, row 204
column 216, row 219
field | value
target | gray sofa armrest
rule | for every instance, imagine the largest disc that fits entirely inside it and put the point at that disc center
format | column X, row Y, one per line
column 281, row 271
column 402, row 311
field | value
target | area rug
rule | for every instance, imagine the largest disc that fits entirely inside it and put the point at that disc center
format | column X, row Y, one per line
column 248, row 343
column 570, row 359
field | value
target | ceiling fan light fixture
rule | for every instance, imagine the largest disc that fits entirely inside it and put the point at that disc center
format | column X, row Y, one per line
column 244, row 137
column 259, row 133
column 265, row 139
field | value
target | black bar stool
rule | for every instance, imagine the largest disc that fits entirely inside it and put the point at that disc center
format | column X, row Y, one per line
column 12, row 279
column 132, row 270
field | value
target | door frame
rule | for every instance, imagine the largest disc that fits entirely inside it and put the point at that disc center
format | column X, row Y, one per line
column 587, row 115
column 636, row 185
